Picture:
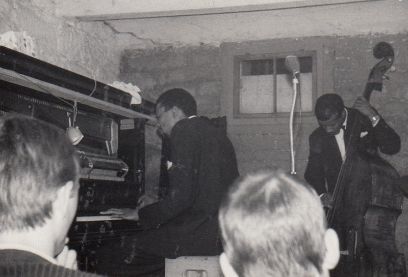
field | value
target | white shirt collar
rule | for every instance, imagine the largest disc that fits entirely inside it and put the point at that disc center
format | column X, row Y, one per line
column 345, row 120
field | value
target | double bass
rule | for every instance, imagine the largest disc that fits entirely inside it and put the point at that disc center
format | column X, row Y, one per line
column 370, row 237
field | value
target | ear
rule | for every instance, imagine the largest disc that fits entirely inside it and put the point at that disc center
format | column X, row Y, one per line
column 343, row 113
column 177, row 113
column 332, row 249
column 226, row 267
column 63, row 196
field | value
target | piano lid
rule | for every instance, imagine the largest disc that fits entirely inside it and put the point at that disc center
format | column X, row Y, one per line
column 26, row 71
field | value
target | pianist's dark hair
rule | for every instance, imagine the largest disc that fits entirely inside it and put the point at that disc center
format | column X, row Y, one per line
column 273, row 225
column 178, row 97
column 36, row 159
column 328, row 105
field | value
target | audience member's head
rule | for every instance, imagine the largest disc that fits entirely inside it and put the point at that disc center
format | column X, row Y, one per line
column 39, row 173
column 330, row 112
column 172, row 106
column 274, row 225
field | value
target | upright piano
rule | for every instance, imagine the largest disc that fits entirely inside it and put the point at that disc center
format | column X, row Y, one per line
column 111, row 152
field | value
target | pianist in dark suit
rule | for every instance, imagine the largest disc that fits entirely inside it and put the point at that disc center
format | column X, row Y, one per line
column 201, row 168
column 38, row 199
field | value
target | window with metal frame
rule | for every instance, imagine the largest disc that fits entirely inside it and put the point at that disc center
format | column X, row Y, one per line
column 263, row 85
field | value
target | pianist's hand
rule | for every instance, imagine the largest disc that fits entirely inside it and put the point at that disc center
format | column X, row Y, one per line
column 145, row 200
column 129, row 214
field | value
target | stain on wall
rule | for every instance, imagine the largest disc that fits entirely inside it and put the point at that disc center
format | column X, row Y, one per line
column 196, row 69
column 85, row 48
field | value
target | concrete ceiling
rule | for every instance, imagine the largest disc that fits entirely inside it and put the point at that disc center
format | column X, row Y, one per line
column 148, row 23
column 101, row 10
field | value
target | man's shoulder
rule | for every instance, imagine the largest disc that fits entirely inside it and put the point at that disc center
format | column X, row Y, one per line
column 354, row 113
column 317, row 134
column 317, row 139
column 194, row 125
column 194, row 121
column 33, row 269
column 24, row 263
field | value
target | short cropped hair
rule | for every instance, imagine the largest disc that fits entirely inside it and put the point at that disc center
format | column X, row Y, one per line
column 328, row 105
column 273, row 225
column 36, row 159
column 179, row 98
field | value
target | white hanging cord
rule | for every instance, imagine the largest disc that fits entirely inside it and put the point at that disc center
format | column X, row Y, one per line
column 69, row 119
column 292, row 151
column 75, row 112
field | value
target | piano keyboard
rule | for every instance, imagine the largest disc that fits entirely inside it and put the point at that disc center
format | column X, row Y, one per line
column 96, row 218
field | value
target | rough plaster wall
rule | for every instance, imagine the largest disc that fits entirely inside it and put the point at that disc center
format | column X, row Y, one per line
column 85, row 48
column 267, row 146
column 198, row 69
column 328, row 20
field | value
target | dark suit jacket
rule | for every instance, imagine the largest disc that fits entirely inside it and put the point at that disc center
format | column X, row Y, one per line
column 203, row 167
column 20, row 263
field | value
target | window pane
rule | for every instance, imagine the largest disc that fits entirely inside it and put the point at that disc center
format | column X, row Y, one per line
column 257, row 67
column 257, row 88
column 280, row 66
column 306, row 83
column 284, row 93
column 256, row 94
column 306, row 64
column 306, row 90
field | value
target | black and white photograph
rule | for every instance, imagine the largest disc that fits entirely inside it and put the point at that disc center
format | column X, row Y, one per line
column 204, row 138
